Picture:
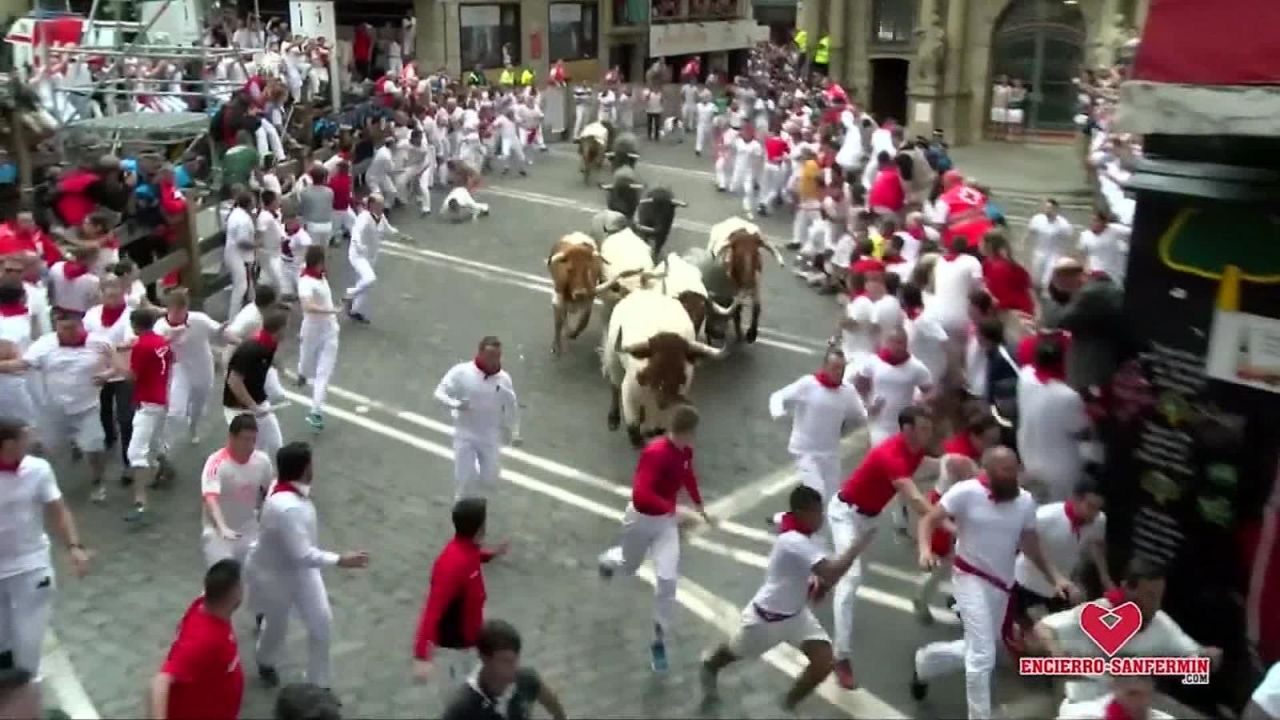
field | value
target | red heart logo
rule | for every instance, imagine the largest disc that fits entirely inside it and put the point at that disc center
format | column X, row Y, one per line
column 1110, row 628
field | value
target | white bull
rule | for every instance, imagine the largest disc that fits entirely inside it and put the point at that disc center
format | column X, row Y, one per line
column 682, row 280
column 628, row 267
column 648, row 357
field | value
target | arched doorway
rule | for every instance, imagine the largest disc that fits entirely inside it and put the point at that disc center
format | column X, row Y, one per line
column 889, row 88
column 1041, row 43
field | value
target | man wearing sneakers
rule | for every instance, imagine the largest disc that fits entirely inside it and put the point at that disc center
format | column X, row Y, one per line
column 318, row 338
column 150, row 364
column 650, row 525
column 233, row 485
column 779, row 612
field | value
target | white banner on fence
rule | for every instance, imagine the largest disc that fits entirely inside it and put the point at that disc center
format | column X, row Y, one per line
column 556, row 102
column 313, row 18
column 698, row 37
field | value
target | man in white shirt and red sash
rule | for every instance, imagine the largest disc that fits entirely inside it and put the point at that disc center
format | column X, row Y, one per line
column 994, row 518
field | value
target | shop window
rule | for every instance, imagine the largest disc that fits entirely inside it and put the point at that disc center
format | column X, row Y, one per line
column 574, row 29
column 893, row 21
column 489, row 35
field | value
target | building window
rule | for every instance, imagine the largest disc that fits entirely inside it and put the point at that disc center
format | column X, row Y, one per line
column 714, row 9
column 665, row 10
column 893, row 21
column 573, row 34
column 489, row 35
column 630, row 12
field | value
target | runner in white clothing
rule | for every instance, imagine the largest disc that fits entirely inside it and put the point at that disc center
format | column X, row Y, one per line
column 993, row 518
column 485, row 409
column 370, row 230
column 894, row 380
column 233, row 485
column 799, row 572
column 318, row 346
column 191, row 335
column 271, row 235
column 1049, row 234
column 240, row 254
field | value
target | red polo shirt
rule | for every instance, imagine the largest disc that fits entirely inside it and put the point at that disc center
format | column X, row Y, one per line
column 1009, row 283
column 870, row 487
column 150, row 361
column 204, row 662
column 454, row 610
column 661, row 471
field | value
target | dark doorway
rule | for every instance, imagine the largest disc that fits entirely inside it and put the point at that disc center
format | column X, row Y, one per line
column 622, row 57
column 1041, row 43
column 889, row 89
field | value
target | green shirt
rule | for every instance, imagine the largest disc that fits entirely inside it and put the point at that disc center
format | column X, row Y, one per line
column 238, row 165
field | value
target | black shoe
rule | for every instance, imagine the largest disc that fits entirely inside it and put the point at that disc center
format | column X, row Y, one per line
column 268, row 676
column 919, row 688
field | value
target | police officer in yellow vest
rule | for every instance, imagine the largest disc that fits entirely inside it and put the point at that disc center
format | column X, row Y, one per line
column 801, row 40
column 476, row 78
column 822, row 54
column 526, row 77
column 508, row 77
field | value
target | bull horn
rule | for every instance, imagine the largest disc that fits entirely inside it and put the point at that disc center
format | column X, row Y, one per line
column 637, row 186
column 633, row 156
column 645, row 201
column 635, row 347
column 705, row 350
column 603, row 286
column 679, row 203
column 609, row 154
column 648, row 275
column 603, row 186
column 557, row 257
column 600, row 257
column 721, row 310
column 645, row 228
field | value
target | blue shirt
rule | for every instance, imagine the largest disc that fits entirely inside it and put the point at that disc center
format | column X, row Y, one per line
column 181, row 177
column 8, row 174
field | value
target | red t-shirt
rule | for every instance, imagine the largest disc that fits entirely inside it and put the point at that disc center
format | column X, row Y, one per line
column 887, row 191
column 961, row 444
column 204, row 662
column 341, row 186
column 661, row 471
column 870, row 487
column 1009, row 284
column 149, row 361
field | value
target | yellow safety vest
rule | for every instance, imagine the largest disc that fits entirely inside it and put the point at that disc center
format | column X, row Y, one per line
column 507, row 77
column 526, row 77
column 802, row 40
column 822, row 55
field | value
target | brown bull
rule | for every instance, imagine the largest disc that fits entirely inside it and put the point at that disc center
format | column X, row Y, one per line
column 576, row 268
column 743, row 263
column 666, row 375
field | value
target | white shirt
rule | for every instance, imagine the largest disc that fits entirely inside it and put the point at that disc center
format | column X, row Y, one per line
column 17, row 329
column 859, row 343
column 786, row 578
column 298, row 244
column 246, row 323
column 491, row 402
column 241, row 237
column 68, row 370
column 367, row 235
column 192, row 342
column 1097, row 710
column 137, row 293
column 1107, row 251
column 120, row 334
column 987, row 532
column 851, row 150
column 927, row 342
column 888, row 314
column 24, row 546
column 820, row 414
column 747, row 154
column 316, row 291
column 237, row 486
column 896, row 385
column 703, row 113
column 79, row 294
column 653, row 102
column 287, row 536
column 1051, row 417
column 272, row 231
column 1052, row 236
column 953, row 280
column 38, row 305
column 1062, row 545
column 689, row 92
column 1267, row 696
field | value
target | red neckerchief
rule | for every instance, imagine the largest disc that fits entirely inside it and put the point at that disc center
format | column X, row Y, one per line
column 79, row 341
column 13, row 309
column 1045, row 374
column 853, row 294
column 913, row 313
column 311, row 272
column 791, row 522
column 111, row 314
column 1115, row 596
column 1076, row 521
column 892, row 359
column 484, row 368
column 867, row 266
column 177, row 323
column 950, row 255
column 73, row 269
column 986, row 483
column 10, row 467
column 1116, row 711
column 270, row 343
column 826, row 380
column 286, row 487
column 110, row 242
column 916, row 232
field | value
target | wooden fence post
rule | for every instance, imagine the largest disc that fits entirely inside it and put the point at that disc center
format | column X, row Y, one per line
column 188, row 231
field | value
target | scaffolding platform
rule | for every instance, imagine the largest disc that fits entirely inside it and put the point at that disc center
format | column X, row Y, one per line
column 160, row 127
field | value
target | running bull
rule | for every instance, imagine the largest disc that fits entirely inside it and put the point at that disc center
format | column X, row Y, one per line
column 593, row 146
column 731, row 267
column 623, row 191
column 655, row 215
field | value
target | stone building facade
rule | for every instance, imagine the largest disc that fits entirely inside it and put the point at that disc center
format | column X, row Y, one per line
column 932, row 63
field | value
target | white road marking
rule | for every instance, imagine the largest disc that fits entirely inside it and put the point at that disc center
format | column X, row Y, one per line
column 60, row 679
column 535, row 283
column 623, row 492
column 757, row 492
column 702, row 602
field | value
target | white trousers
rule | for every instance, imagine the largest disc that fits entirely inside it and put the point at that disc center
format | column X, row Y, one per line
column 702, row 137
column 188, row 393
column 274, row 597
column 26, row 602
column 847, row 525
column 688, row 118
column 724, row 172
column 268, row 138
column 580, row 114
column 426, row 179
column 742, row 175
column 215, row 548
column 317, row 357
column 513, row 154
column 820, row 471
column 748, row 185
column 321, row 233
column 475, row 468
column 147, row 442
column 982, row 607
column 657, row 536
column 358, row 294
column 241, row 285
column 806, row 216
column 772, row 182
column 289, row 272
column 270, row 438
